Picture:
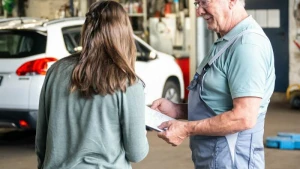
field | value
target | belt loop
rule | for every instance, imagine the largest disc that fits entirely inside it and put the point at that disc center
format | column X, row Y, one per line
column 193, row 83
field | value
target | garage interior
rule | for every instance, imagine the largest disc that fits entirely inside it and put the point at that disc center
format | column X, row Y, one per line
column 171, row 26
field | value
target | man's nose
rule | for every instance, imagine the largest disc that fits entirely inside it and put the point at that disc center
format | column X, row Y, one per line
column 200, row 11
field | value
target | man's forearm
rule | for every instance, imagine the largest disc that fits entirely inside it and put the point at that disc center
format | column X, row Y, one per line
column 243, row 116
column 220, row 125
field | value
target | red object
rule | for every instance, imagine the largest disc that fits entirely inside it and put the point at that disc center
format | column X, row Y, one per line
column 168, row 8
column 157, row 14
column 184, row 64
column 140, row 8
column 38, row 66
column 23, row 124
column 297, row 44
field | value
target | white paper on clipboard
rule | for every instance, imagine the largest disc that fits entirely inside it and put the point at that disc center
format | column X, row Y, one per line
column 154, row 118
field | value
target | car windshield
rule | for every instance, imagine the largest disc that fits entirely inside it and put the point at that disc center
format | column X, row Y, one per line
column 19, row 44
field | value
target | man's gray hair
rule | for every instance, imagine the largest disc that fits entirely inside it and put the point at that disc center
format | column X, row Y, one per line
column 242, row 2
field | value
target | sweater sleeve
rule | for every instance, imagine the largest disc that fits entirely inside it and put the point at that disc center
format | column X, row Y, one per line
column 42, row 124
column 133, row 123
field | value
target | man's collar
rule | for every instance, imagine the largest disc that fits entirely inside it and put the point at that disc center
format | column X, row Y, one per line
column 237, row 29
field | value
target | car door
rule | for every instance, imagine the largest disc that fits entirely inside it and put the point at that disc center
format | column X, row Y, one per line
column 148, row 69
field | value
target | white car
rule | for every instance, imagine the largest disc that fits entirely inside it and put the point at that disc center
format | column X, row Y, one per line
column 27, row 51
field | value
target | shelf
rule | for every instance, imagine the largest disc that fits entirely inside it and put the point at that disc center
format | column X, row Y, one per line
column 138, row 17
column 136, row 14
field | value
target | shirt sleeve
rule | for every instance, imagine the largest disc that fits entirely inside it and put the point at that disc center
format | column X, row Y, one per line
column 247, row 72
column 133, row 123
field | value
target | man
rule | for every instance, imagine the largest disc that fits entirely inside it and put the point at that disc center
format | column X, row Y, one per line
column 229, row 94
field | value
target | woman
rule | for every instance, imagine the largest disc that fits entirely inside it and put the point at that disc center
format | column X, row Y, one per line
column 91, row 112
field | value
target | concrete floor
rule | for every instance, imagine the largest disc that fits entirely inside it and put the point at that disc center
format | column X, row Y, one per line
column 17, row 149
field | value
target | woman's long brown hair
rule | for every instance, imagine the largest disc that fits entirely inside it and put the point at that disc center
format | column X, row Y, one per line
column 108, row 55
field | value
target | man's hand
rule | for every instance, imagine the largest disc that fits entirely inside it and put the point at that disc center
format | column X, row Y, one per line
column 176, row 111
column 165, row 106
column 175, row 133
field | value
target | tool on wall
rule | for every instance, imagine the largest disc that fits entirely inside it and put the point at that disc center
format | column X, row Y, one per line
column 297, row 19
column 178, row 20
column 293, row 91
column 161, row 35
column 297, row 10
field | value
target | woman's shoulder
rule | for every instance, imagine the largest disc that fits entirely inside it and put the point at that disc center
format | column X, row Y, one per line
column 64, row 63
column 140, row 82
column 69, row 60
column 137, row 87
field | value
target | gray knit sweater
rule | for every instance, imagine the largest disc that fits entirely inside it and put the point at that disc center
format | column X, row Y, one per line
column 105, row 132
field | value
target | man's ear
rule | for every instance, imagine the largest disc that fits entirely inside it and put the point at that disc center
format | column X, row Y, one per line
column 232, row 3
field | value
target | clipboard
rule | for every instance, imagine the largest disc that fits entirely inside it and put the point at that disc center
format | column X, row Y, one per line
column 154, row 118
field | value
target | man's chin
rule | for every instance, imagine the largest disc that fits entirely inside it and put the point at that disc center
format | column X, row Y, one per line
column 210, row 28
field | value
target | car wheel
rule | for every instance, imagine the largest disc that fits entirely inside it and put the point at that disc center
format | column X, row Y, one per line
column 295, row 100
column 171, row 91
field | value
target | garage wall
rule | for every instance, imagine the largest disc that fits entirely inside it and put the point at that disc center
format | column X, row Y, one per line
column 44, row 8
column 294, row 64
column 50, row 7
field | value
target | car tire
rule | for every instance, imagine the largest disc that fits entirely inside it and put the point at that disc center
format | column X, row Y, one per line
column 295, row 100
column 171, row 91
